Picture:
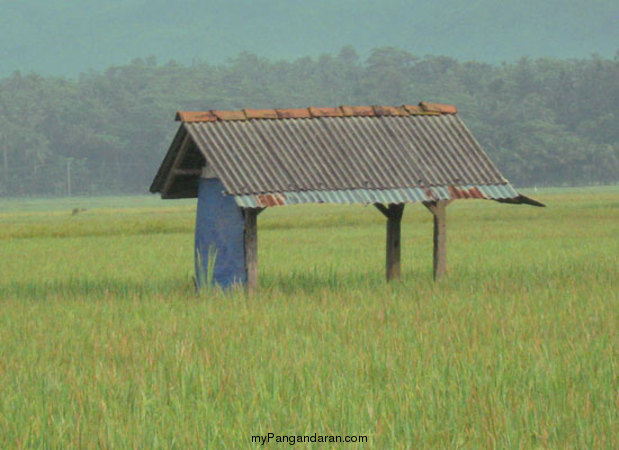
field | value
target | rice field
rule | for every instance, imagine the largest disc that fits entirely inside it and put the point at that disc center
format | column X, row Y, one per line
column 104, row 343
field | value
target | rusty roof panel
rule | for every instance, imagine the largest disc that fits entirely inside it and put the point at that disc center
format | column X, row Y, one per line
column 371, row 196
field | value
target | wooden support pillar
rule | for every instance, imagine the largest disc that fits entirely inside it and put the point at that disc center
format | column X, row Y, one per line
column 440, row 237
column 251, row 248
column 394, row 219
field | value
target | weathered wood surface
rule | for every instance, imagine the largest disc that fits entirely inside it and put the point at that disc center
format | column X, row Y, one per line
column 393, row 213
column 440, row 237
column 251, row 248
column 175, row 165
column 382, row 208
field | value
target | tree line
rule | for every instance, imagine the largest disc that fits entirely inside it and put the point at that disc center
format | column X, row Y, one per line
column 545, row 122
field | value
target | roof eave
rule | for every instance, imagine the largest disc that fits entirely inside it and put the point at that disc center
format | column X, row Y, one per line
column 521, row 200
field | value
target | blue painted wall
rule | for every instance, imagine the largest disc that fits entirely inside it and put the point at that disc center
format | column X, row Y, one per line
column 219, row 227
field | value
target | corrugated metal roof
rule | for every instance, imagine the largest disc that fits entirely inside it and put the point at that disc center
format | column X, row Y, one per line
column 349, row 154
column 342, row 153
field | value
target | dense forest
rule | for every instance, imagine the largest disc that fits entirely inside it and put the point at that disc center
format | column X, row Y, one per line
column 543, row 121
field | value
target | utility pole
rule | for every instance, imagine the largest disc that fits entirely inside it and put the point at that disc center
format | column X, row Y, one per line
column 69, row 161
column 6, row 160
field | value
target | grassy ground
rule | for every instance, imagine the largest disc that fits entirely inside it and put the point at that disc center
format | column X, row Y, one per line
column 104, row 343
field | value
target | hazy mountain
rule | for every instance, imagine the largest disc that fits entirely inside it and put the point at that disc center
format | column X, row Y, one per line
column 66, row 37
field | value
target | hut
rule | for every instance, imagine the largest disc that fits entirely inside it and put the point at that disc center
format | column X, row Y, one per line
column 239, row 162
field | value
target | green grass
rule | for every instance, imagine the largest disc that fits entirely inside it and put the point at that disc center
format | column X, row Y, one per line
column 103, row 342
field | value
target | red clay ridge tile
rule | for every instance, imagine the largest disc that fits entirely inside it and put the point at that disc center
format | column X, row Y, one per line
column 325, row 112
column 357, row 111
column 413, row 109
column 347, row 111
column 438, row 108
column 299, row 113
column 260, row 113
column 195, row 116
column 424, row 108
column 229, row 115
column 390, row 111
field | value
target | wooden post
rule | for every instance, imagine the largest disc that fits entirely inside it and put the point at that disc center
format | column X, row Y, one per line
column 251, row 248
column 440, row 237
column 394, row 219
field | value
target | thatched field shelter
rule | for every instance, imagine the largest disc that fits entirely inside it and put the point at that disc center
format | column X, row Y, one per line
column 239, row 162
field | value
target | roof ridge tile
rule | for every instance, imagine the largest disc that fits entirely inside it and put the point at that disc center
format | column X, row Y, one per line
column 441, row 108
column 357, row 111
column 260, row 113
column 326, row 112
column 229, row 115
column 294, row 113
column 390, row 111
column 424, row 108
column 195, row 116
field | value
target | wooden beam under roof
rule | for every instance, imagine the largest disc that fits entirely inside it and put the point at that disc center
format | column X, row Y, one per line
column 172, row 174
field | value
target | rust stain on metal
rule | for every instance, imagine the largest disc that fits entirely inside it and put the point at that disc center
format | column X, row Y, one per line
column 476, row 193
column 428, row 193
column 265, row 200
column 473, row 192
